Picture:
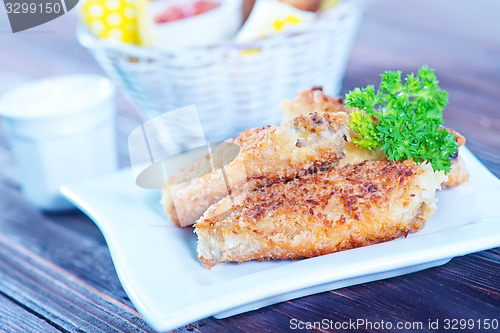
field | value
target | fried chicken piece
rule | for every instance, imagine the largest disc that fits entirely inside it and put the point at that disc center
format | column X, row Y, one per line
column 267, row 155
column 320, row 213
column 312, row 100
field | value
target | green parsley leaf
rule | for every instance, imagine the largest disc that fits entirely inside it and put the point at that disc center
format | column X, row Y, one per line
column 404, row 119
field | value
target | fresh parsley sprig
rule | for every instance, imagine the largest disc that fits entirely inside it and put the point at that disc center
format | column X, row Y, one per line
column 405, row 120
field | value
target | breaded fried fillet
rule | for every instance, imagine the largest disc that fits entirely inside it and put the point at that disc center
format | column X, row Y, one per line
column 319, row 213
column 267, row 155
column 312, row 100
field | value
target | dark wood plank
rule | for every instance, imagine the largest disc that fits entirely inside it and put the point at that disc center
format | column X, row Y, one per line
column 60, row 297
column 16, row 317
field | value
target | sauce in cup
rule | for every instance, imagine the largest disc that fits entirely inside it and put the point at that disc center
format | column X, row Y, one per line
column 61, row 130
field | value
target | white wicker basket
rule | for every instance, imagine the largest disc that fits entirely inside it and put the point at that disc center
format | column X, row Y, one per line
column 232, row 89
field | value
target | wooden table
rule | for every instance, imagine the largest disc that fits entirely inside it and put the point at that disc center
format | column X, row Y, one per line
column 56, row 273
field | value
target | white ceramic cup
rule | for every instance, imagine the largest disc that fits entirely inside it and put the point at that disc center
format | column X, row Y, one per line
column 62, row 129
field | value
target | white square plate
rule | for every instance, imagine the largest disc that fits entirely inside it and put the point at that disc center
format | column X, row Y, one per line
column 158, row 266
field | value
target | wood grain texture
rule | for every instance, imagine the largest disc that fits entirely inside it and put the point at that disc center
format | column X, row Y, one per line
column 63, row 299
column 56, row 273
column 16, row 317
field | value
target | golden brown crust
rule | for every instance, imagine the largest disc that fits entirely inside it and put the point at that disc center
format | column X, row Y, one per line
column 312, row 100
column 267, row 155
column 319, row 213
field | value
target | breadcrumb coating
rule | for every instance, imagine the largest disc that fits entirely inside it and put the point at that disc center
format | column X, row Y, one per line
column 320, row 213
column 312, row 100
column 267, row 155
